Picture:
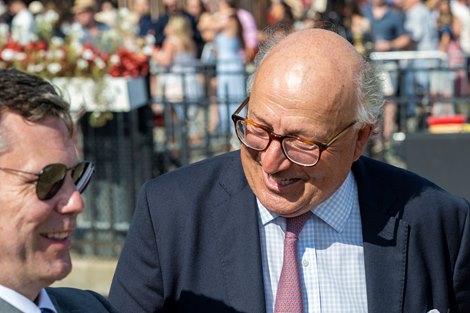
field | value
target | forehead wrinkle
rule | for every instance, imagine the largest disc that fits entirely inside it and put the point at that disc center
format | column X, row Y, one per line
column 313, row 77
column 272, row 112
column 326, row 85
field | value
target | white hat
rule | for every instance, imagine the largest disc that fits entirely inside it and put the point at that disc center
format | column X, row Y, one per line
column 36, row 7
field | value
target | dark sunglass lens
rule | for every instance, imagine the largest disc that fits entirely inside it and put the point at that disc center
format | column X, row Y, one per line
column 82, row 175
column 78, row 171
column 50, row 180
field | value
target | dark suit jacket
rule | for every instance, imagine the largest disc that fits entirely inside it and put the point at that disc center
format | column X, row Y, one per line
column 6, row 307
column 71, row 300
column 194, row 246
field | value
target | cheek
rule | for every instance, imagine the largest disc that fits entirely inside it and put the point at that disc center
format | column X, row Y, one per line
column 329, row 173
column 21, row 216
column 248, row 160
column 251, row 166
column 16, row 232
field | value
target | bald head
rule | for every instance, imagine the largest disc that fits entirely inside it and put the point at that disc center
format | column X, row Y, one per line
column 316, row 40
column 313, row 65
column 320, row 63
column 318, row 50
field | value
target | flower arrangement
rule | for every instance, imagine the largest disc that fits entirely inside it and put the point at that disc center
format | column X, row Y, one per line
column 59, row 58
column 50, row 56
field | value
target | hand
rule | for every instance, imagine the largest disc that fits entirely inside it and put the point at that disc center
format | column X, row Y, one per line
column 383, row 45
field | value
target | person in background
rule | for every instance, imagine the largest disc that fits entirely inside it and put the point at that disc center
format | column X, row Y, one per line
column 65, row 19
column 40, row 199
column 420, row 26
column 3, row 10
column 107, row 13
column 358, row 28
column 280, row 12
column 145, row 24
column 195, row 8
column 22, row 23
column 208, row 77
column 388, row 34
column 84, row 15
column 178, row 84
column 421, row 29
column 461, row 11
column 230, row 66
column 36, row 7
column 173, row 7
column 249, row 34
column 298, row 220
column 454, row 82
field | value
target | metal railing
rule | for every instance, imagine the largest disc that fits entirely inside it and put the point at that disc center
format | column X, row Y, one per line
column 425, row 84
column 141, row 144
column 195, row 122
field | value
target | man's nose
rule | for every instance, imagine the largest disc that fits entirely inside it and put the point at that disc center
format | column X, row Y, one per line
column 70, row 199
column 273, row 159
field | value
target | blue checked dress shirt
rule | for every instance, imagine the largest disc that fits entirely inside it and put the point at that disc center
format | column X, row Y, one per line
column 331, row 254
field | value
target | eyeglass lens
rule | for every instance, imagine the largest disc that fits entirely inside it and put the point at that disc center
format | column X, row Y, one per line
column 52, row 177
column 258, row 139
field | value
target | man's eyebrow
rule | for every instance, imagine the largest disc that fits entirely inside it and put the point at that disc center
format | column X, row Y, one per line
column 252, row 115
column 294, row 132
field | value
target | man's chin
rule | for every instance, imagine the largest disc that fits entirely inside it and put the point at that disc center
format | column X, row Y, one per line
column 279, row 205
column 59, row 269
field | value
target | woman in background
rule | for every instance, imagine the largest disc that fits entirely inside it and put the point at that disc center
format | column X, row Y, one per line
column 230, row 65
column 178, row 84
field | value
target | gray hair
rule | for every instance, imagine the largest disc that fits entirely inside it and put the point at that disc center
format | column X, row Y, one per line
column 369, row 93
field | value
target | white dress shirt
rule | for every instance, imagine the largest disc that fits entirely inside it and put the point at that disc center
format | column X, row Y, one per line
column 330, row 250
column 24, row 304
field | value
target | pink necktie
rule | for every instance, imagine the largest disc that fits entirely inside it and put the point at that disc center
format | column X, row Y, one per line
column 289, row 291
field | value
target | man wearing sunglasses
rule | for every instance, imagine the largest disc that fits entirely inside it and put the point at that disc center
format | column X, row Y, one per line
column 297, row 220
column 40, row 198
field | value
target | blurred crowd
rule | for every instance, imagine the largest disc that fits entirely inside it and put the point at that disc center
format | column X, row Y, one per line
column 371, row 25
column 424, row 51
column 223, row 33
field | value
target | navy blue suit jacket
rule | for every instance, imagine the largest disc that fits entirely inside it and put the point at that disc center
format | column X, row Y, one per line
column 193, row 245
column 71, row 300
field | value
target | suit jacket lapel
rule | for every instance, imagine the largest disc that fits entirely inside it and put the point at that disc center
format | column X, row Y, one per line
column 54, row 301
column 238, row 243
column 67, row 304
column 385, row 239
column 7, row 307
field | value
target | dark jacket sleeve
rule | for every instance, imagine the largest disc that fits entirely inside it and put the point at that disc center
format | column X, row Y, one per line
column 462, row 269
column 137, row 283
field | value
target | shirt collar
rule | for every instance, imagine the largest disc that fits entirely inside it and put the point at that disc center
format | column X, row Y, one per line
column 44, row 301
column 334, row 211
column 18, row 300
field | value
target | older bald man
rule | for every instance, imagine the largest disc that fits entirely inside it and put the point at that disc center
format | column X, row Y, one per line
column 226, row 235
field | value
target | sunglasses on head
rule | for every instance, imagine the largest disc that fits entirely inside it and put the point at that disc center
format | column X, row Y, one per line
column 52, row 177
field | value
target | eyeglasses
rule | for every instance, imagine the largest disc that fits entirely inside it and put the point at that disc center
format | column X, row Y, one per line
column 52, row 177
column 301, row 151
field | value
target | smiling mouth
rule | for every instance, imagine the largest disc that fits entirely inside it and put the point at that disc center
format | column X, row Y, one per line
column 285, row 182
column 57, row 235
column 281, row 184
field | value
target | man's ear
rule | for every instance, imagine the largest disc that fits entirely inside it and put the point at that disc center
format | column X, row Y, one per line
column 363, row 136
